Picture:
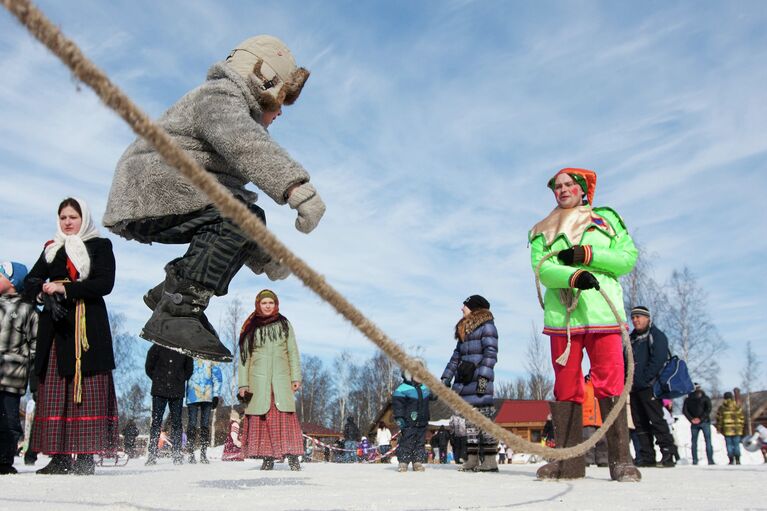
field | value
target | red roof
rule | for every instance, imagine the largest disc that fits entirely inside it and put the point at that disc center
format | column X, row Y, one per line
column 521, row 410
column 316, row 430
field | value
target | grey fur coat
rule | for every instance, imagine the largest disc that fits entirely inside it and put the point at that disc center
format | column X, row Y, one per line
column 218, row 124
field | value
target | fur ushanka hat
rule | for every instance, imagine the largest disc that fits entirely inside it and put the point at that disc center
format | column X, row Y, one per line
column 267, row 63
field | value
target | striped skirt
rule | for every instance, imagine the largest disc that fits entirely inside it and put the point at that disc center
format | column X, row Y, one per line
column 63, row 427
column 273, row 435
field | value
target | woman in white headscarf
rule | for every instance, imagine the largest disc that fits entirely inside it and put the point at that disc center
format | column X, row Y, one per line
column 77, row 407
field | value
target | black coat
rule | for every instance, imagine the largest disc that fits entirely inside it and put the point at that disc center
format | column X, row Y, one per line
column 351, row 431
column 650, row 354
column 99, row 357
column 697, row 407
column 169, row 371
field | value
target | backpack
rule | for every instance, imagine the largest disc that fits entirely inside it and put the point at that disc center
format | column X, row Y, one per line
column 673, row 380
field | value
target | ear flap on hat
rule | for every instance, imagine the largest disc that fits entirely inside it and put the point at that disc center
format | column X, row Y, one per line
column 294, row 86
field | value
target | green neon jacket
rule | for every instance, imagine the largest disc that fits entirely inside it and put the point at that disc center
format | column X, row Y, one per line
column 612, row 255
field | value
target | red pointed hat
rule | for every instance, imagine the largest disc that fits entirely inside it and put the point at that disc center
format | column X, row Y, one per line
column 584, row 177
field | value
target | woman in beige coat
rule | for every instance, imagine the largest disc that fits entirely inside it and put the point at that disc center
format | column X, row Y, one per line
column 268, row 376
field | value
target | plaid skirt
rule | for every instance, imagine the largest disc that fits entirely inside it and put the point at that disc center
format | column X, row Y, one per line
column 63, row 427
column 273, row 435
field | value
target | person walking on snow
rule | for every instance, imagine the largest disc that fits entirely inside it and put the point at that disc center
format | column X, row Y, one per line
column 223, row 125
column 203, row 391
column 470, row 373
column 594, row 249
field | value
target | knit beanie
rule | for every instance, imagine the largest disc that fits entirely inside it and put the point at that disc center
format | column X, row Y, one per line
column 475, row 302
column 15, row 273
column 641, row 310
column 269, row 65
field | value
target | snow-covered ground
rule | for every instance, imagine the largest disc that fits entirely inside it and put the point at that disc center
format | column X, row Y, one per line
column 323, row 486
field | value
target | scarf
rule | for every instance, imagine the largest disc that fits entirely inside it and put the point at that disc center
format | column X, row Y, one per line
column 260, row 328
column 74, row 244
column 471, row 322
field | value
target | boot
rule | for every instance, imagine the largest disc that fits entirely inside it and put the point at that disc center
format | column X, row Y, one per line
column 418, row 467
column 268, row 464
column 293, row 463
column 177, row 321
column 489, row 463
column 204, row 442
column 7, row 468
column 84, row 465
column 402, row 467
column 667, row 459
column 567, row 418
column 732, row 460
column 151, row 460
column 622, row 469
column 60, row 464
column 471, row 463
column 737, row 460
column 153, row 297
column 192, row 460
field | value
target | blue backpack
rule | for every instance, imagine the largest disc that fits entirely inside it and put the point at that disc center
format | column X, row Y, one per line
column 673, row 380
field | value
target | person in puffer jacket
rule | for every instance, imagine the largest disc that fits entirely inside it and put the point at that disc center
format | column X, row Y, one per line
column 203, row 391
column 729, row 422
column 410, row 408
column 470, row 370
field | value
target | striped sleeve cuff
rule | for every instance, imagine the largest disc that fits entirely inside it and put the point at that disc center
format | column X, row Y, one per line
column 574, row 277
column 588, row 254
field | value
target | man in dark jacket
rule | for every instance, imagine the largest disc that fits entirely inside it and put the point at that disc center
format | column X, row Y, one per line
column 351, row 437
column 169, row 371
column 697, row 409
column 650, row 348
column 440, row 441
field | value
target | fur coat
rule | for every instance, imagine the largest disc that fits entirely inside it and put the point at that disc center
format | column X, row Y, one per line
column 218, row 124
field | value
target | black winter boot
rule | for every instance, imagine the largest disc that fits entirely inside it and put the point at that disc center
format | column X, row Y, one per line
column 153, row 297
column 567, row 418
column 84, row 465
column 204, row 442
column 268, row 464
column 737, row 460
column 177, row 322
column 60, row 464
column 622, row 469
column 293, row 463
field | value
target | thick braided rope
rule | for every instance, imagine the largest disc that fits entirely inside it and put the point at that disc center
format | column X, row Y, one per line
column 47, row 33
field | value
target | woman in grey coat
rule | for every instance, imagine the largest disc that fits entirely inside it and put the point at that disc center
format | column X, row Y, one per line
column 223, row 125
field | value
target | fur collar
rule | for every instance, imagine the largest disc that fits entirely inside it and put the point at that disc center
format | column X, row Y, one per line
column 471, row 322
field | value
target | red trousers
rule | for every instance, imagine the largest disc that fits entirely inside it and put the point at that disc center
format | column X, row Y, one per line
column 605, row 356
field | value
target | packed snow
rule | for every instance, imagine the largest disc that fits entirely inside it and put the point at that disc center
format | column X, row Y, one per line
column 331, row 486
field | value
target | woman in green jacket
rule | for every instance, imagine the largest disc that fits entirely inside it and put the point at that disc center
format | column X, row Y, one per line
column 594, row 249
column 729, row 422
column 269, row 374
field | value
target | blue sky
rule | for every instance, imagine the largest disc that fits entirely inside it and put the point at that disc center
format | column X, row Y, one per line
column 430, row 129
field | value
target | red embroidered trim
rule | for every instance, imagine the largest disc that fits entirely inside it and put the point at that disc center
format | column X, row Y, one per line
column 75, row 419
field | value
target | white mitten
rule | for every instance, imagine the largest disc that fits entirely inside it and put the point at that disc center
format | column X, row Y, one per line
column 276, row 270
column 307, row 202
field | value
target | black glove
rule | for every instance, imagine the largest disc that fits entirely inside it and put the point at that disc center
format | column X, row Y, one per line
column 53, row 304
column 446, row 381
column 572, row 256
column 481, row 385
column 215, row 402
column 582, row 279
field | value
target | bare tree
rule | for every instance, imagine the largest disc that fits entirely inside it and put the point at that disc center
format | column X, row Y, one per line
column 750, row 377
column 640, row 288
column 344, row 373
column 314, row 397
column 539, row 382
column 230, row 326
column 520, row 386
column 691, row 334
column 131, row 383
column 504, row 389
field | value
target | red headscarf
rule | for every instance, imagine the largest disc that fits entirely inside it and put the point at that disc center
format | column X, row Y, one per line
column 258, row 319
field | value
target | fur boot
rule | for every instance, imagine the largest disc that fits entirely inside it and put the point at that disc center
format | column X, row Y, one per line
column 567, row 418
column 622, row 469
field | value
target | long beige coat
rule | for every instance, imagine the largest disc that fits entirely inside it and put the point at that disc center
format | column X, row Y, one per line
column 270, row 368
